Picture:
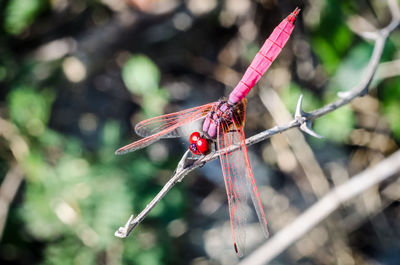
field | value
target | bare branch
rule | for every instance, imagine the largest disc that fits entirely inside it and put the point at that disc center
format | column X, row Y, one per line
column 8, row 189
column 14, row 177
column 320, row 210
column 387, row 70
column 124, row 231
column 297, row 142
column 304, row 118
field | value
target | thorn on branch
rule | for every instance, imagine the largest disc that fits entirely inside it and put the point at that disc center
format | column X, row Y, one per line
column 301, row 116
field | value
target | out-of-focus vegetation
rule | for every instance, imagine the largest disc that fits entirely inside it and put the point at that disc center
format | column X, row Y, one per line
column 76, row 75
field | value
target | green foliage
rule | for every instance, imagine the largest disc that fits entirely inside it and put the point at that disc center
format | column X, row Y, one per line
column 332, row 38
column 30, row 109
column 69, row 251
column 336, row 125
column 142, row 77
column 290, row 96
column 351, row 68
column 84, row 202
column 20, row 14
column 391, row 104
column 75, row 199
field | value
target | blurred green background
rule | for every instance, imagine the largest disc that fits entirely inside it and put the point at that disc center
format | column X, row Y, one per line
column 76, row 75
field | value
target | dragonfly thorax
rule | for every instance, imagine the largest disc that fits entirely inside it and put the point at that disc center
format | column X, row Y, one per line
column 225, row 113
column 221, row 112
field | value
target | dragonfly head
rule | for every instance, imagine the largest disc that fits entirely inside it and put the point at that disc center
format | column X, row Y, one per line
column 198, row 144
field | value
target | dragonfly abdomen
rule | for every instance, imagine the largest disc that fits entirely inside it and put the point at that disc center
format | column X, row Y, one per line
column 264, row 58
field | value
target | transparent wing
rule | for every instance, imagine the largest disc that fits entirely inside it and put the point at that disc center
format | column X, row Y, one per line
column 165, row 126
column 158, row 124
column 239, row 180
column 250, row 181
column 235, row 188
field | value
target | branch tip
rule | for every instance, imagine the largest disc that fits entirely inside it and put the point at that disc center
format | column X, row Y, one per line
column 123, row 231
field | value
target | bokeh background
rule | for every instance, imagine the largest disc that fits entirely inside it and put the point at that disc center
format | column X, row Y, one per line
column 76, row 75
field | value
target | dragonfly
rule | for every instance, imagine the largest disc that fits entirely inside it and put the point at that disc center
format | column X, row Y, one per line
column 222, row 124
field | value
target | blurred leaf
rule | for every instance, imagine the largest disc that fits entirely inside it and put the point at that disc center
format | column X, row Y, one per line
column 351, row 68
column 326, row 53
column 50, row 138
column 336, row 125
column 108, row 206
column 332, row 38
column 154, row 103
column 30, row 109
column 19, row 14
column 391, row 104
column 149, row 258
column 69, row 251
column 291, row 94
column 392, row 110
column 111, row 135
column 141, row 76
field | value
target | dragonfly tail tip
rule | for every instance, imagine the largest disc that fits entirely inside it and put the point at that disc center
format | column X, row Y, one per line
column 292, row 17
column 239, row 253
column 296, row 11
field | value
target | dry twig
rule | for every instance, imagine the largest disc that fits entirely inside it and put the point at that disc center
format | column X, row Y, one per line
column 325, row 206
column 14, row 177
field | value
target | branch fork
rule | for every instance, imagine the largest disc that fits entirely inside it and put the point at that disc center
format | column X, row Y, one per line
column 303, row 118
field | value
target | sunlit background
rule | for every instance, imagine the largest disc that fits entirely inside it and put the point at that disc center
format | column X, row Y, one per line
column 77, row 75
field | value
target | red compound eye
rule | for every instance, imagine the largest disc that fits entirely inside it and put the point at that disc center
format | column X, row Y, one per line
column 202, row 146
column 194, row 137
column 198, row 145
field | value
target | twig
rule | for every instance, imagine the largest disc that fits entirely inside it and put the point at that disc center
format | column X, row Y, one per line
column 302, row 120
column 323, row 208
column 387, row 70
column 297, row 142
column 8, row 189
column 132, row 223
column 14, row 177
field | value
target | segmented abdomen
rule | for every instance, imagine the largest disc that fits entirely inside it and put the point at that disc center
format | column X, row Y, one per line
column 264, row 58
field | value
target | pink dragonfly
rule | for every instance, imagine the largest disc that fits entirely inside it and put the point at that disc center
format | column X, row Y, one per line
column 223, row 124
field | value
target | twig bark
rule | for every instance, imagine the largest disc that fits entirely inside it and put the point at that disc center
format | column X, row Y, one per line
column 302, row 120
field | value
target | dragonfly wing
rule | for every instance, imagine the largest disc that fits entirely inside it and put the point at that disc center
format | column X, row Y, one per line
column 239, row 181
column 164, row 126
column 159, row 124
column 138, row 144
column 235, row 189
column 250, row 181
